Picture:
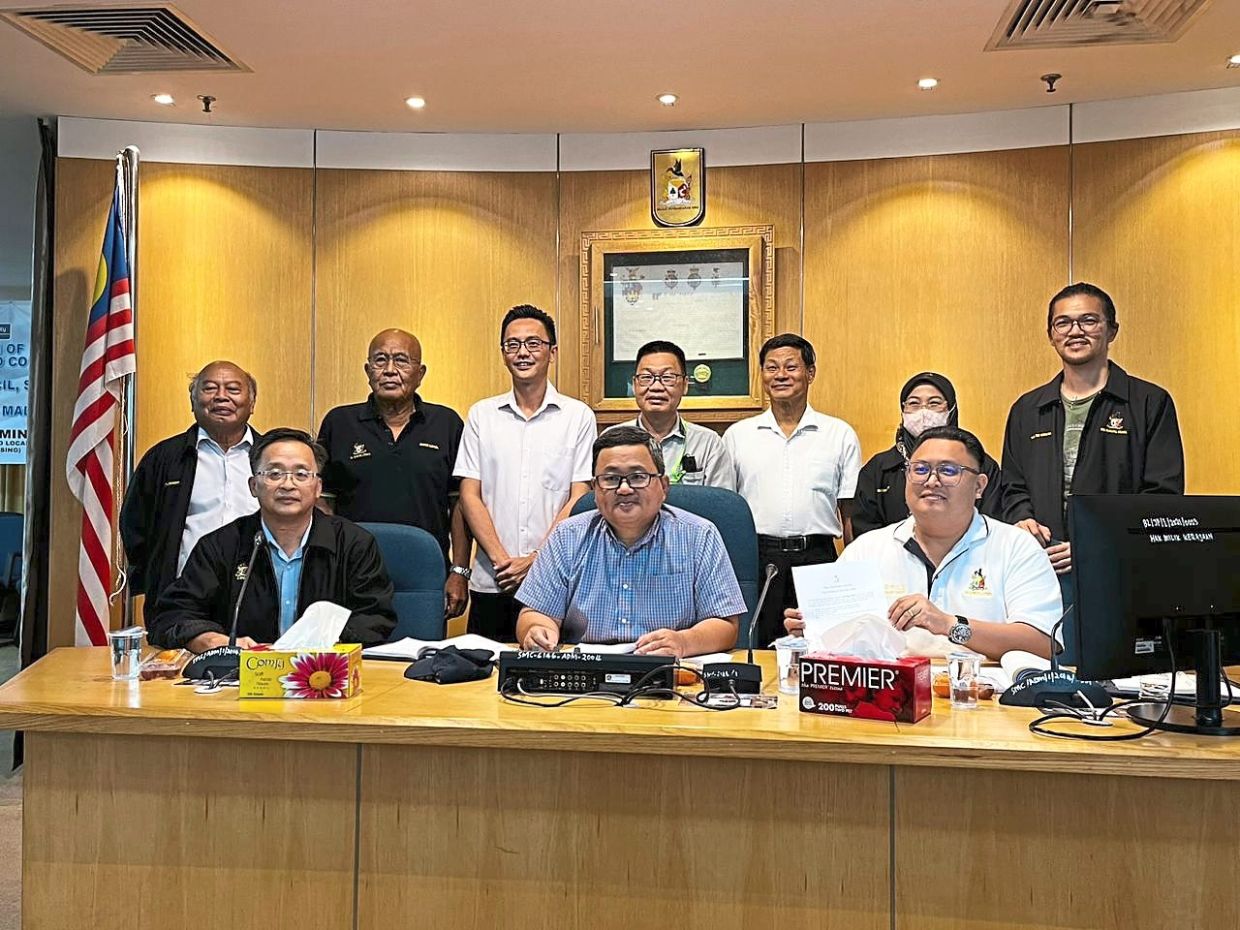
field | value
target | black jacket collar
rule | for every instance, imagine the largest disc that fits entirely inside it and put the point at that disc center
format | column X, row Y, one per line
column 321, row 534
column 1116, row 386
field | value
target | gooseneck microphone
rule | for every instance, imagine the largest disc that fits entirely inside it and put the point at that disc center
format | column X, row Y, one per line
column 741, row 677
column 771, row 572
column 223, row 663
column 245, row 583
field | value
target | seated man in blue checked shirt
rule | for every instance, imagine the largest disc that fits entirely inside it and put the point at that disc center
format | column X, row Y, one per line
column 635, row 570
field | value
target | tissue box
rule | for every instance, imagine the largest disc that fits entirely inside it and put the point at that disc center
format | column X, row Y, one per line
column 302, row 673
column 875, row 689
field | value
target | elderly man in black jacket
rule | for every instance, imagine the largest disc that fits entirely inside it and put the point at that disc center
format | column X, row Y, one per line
column 192, row 483
column 297, row 555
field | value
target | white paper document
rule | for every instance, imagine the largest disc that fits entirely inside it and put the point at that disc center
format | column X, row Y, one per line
column 835, row 592
column 409, row 647
column 604, row 649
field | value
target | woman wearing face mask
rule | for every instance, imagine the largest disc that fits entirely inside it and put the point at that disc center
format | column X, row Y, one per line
column 927, row 399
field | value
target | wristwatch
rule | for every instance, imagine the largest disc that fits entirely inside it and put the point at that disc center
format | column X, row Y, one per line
column 961, row 633
column 462, row 570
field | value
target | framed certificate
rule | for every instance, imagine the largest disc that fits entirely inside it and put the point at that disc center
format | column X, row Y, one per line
column 710, row 291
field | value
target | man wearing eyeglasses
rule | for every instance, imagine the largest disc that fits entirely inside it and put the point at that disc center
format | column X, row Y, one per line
column 192, row 483
column 390, row 458
column 524, row 460
column 1093, row 429
column 962, row 578
column 797, row 468
column 694, row 454
column 634, row 571
column 297, row 555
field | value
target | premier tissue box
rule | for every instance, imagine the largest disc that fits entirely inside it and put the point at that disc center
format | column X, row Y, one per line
column 302, row 673
column 876, row 689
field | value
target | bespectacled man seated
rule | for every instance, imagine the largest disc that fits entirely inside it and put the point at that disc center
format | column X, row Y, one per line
column 634, row 571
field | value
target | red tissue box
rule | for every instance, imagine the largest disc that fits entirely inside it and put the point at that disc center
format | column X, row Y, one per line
column 871, row 688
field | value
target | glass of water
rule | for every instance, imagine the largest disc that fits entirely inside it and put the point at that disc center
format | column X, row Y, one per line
column 125, row 647
column 962, row 671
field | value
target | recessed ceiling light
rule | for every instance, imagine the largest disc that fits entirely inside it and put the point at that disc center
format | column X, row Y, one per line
column 928, row 83
column 165, row 100
column 1233, row 61
column 668, row 100
column 415, row 103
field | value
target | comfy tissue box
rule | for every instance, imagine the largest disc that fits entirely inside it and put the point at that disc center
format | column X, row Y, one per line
column 334, row 672
column 876, row 689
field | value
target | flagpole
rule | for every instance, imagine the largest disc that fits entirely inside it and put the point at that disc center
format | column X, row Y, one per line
column 127, row 182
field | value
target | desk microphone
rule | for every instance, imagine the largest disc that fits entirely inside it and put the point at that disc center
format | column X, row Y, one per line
column 743, row 677
column 224, row 662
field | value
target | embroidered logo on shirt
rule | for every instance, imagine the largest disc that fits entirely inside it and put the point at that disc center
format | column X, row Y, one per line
column 1045, row 435
column 1115, row 424
column 172, row 484
column 428, row 445
column 978, row 581
column 359, row 451
column 240, row 573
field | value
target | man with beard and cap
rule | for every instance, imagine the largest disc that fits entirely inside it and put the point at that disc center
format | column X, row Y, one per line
column 927, row 400
column 193, row 483
column 390, row 458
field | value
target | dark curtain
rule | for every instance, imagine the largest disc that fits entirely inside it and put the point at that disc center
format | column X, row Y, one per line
column 33, row 624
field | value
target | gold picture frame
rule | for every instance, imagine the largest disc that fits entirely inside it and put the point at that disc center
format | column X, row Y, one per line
column 731, row 270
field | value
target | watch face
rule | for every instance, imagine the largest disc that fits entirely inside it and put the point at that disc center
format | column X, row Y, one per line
column 960, row 634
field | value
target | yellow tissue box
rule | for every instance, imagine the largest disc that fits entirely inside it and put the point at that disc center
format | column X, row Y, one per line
column 302, row 674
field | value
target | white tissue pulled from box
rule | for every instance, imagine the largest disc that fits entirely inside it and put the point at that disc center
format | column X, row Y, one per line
column 319, row 628
column 866, row 637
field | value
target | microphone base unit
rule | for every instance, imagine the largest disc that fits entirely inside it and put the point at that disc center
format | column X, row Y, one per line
column 223, row 663
column 584, row 673
column 741, row 677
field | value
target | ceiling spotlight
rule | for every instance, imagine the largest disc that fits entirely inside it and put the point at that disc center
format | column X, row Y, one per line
column 1233, row 61
column 928, row 83
column 668, row 100
column 415, row 103
column 164, row 100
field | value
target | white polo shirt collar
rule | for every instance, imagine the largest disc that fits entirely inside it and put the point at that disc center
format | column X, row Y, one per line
column 809, row 421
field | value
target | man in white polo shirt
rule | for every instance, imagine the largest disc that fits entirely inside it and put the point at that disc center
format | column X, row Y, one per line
column 524, row 460
column 972, row 580
column 797, row 468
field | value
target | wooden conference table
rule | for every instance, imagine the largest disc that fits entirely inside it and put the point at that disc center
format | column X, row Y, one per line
column 414, row 805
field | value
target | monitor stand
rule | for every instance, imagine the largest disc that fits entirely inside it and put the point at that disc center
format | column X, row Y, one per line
column 1205, row 717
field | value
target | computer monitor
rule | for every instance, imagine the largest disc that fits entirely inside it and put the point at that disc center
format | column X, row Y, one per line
column 1152, row 567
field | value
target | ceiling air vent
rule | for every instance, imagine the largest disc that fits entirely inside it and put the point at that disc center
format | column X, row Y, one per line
column 1066, row 23
column 124, row 39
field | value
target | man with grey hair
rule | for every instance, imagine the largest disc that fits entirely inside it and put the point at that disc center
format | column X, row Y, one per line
column 193, row 483
column 634, row 571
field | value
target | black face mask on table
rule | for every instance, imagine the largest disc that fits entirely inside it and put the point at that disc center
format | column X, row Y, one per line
column 450, row 665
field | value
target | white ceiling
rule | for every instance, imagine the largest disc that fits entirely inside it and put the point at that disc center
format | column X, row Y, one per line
column 590, row 65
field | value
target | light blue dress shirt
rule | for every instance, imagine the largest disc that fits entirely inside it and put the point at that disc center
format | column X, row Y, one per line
column 602, row 591
column 288, row 574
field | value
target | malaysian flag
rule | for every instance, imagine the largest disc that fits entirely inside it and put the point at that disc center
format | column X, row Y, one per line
column 106, row 359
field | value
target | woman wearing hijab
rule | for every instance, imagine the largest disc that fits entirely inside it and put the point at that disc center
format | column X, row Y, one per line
column 927, row 399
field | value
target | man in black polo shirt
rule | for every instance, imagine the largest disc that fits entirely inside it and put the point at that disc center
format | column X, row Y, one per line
column 390, row 458
column 1093, row 429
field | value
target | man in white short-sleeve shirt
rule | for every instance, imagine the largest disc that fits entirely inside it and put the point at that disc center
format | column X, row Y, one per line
column 797, row 468
column 970, row 580
column 524, row 461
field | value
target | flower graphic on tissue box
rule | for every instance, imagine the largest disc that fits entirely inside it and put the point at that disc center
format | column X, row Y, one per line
column 317, row 675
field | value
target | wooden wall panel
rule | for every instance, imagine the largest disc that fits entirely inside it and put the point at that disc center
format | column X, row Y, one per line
column 982, row 850
column 618, row 200
column 1157, row 224
column 938, row 263
column 224, row 270
column 165, row 833
column 441, row 254
column 523, row 839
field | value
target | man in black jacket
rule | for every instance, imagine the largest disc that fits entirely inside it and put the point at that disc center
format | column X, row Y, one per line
column 1093, row 429
column 192, row 483
column 294, row 553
